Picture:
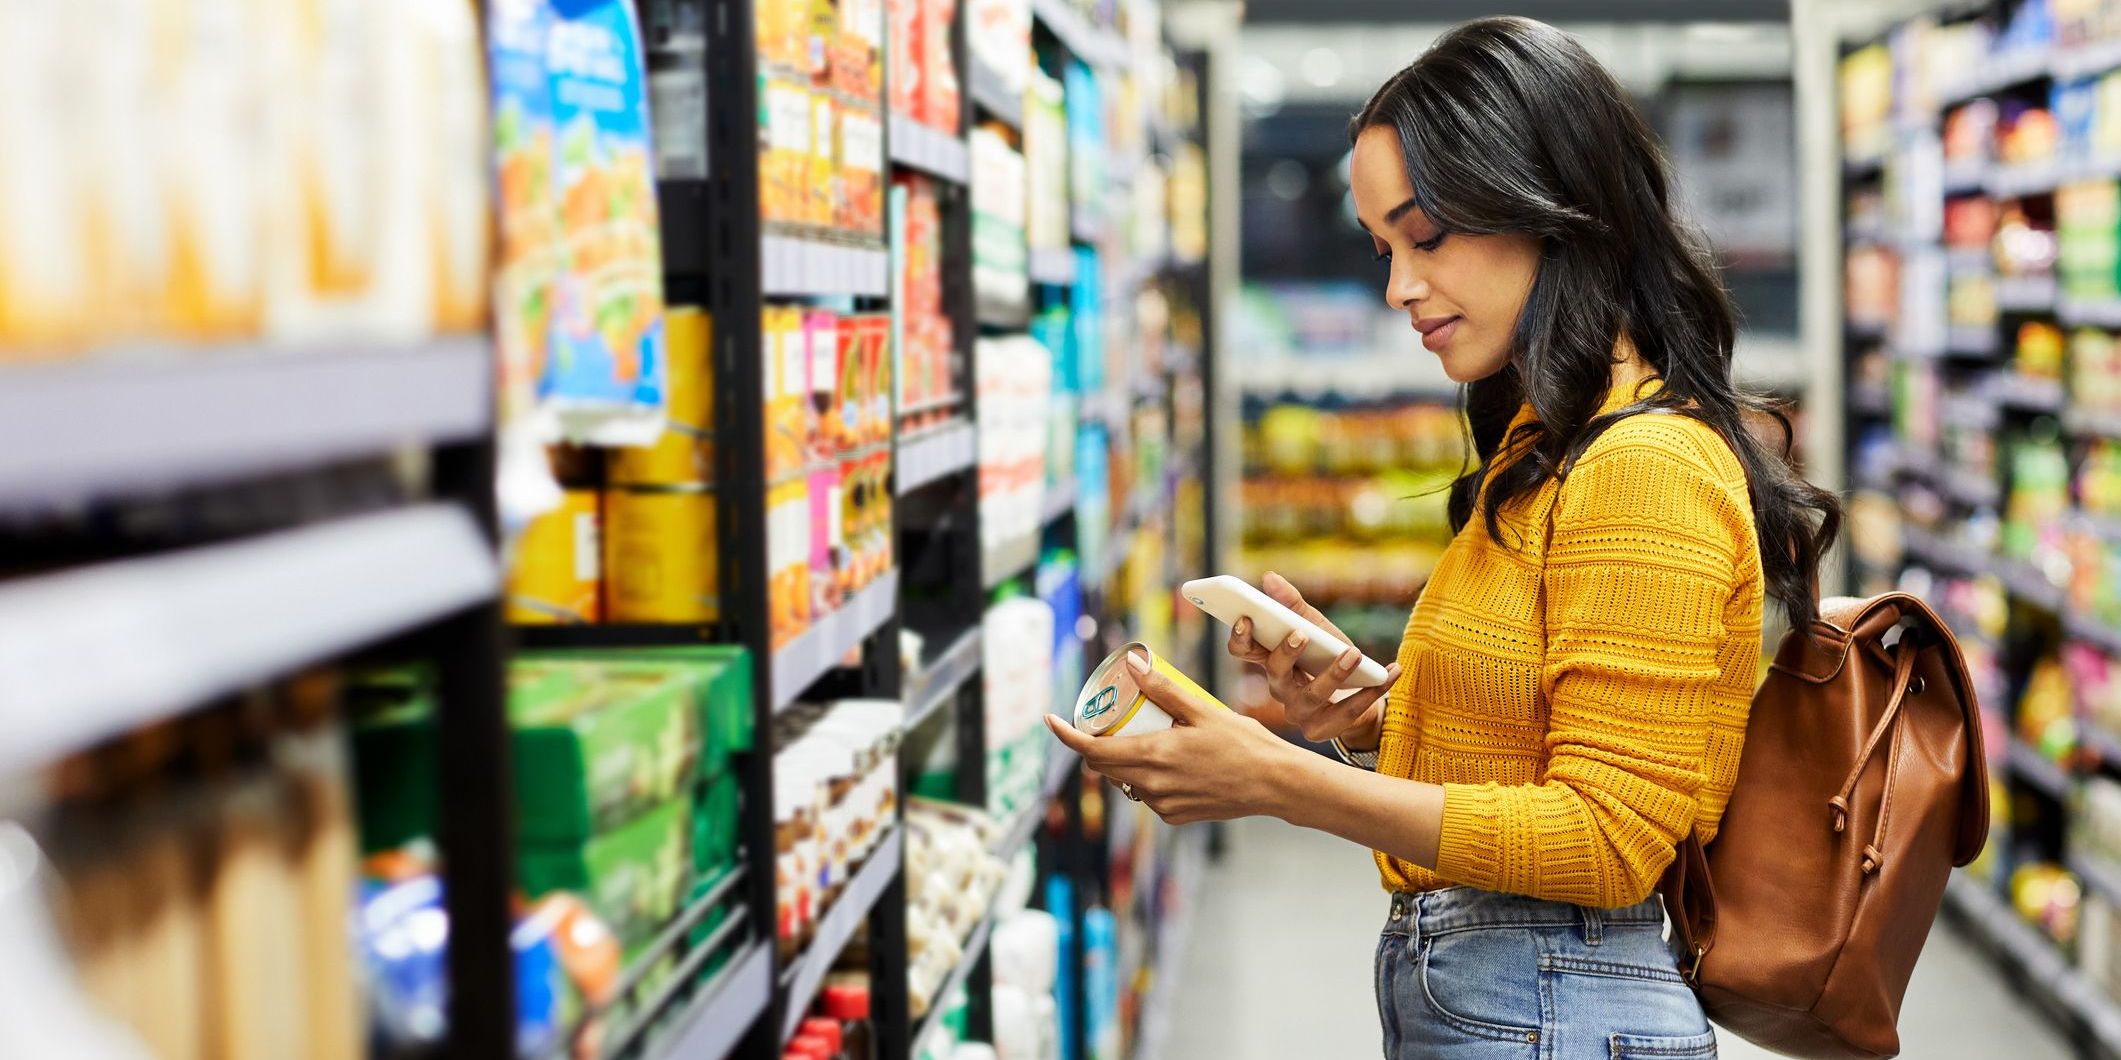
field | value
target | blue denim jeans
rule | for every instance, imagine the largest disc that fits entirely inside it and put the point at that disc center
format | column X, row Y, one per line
column 1466, row 974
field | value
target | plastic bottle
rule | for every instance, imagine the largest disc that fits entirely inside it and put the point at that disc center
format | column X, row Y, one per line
column 850, row 1006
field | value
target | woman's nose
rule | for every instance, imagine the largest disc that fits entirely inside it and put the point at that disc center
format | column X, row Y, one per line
column 1403, row 287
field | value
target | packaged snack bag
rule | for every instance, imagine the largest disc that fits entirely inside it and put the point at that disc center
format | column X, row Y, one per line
column 604, row 382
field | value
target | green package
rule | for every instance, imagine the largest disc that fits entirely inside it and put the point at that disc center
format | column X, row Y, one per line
column 725, row 692
column 716, row 824
column 396, row 778
column 595, row 744
column 632, row 876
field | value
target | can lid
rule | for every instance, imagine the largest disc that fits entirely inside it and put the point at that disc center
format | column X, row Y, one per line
column 1110, row 697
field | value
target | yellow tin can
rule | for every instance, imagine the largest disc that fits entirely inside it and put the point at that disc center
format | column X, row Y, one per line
column 684, row 455
column 557, row 577
column 1111, row 703
column 661, row 554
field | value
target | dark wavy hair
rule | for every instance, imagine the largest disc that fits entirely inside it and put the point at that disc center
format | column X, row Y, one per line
column 1509, row 125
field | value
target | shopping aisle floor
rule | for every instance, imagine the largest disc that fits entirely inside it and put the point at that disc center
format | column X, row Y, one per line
column 1279, row 967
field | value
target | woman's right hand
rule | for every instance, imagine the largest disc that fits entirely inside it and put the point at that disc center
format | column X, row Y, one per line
column 1308, row 699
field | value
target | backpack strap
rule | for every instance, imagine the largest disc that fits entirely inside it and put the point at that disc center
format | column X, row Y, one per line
column 1690, row 900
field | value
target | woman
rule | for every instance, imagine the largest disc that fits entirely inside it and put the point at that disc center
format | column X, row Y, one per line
column 1571, row 695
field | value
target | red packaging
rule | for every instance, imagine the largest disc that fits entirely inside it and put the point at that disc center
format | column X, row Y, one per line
column 940, row 101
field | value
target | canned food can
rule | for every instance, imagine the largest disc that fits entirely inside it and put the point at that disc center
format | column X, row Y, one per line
column 661, row 554
column 1111, row 703
column 558, row 571
column 684, row 455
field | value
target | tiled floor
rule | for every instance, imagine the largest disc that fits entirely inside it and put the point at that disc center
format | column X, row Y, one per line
column 1279, row 967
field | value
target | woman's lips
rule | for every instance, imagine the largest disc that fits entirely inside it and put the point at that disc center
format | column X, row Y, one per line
column 1436, row 332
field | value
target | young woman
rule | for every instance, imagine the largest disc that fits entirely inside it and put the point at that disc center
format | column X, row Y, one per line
column 1570, row 698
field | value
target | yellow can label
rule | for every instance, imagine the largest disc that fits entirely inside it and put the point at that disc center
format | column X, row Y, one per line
column 662, row 556
column 557, row 575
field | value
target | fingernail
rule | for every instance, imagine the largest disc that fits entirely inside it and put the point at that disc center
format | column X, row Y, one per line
column 1244, row 626
column 1392, row 672
column 1348, row 658
column 1137, row 662
column 1298, row 640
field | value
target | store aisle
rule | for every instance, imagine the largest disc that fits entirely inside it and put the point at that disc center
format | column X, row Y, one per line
column 1279, row 966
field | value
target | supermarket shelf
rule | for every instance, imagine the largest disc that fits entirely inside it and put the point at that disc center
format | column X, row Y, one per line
column 934, row 455
column 1867, row 329
column 2092, row 422
column 932, row 151
column 818, row 649
column 88, row 654
column 2049, row 975
column 1874, row 401
column 1060, row 501
column 1053, row 265
column 1862, row 167
column 2106, row 527
column 157, row 420
column 975, row 947
column 1962, row 485
column 2097, row 312
column 2023, row 179
column 1006, row 560
column 992, row 94
column 1962, row 340
column 2099, row 875
column 1964, row 177
column 2089, row 630
column 1084, row 228
column 2106, row 745
column 1997, row 72
column 1011, row 316
column 2085, row 60
column 1059, row 766
column 718, row 1018
column 656, row 964
column 2025, row 582
column 2023, row 294
column 791, row 265
column 1092, row 44
column 2025, row 392
column 1937, row 552
column 2037, row 771
column 807, row 974
column 933, row 688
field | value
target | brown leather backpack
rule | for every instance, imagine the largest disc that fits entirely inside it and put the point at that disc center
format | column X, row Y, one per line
column 1862, row 784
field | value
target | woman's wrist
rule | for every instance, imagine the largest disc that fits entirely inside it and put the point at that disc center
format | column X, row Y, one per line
column 1367, row 733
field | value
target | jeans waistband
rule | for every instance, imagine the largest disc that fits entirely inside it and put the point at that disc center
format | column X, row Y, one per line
column 1467, row 908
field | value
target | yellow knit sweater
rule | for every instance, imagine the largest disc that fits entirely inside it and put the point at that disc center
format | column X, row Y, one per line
column 1583, row 698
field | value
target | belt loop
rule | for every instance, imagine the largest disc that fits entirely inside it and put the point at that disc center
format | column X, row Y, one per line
column 1593, row 926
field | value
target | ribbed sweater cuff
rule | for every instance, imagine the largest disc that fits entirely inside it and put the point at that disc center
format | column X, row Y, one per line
column 1471, row 849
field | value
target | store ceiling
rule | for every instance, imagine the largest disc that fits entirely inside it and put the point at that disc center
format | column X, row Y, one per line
column 1315, row 11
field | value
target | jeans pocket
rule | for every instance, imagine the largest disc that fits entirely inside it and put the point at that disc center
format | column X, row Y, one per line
column 1465, row 983
column 1651, row 1047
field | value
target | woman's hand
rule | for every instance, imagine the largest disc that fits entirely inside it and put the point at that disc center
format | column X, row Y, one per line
column 1213, row 764
column 1309, row 698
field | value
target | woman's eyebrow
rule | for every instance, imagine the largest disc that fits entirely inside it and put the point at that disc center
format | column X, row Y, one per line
column 1393, row 215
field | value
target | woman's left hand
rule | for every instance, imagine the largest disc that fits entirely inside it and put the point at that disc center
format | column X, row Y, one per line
column 1213, row 764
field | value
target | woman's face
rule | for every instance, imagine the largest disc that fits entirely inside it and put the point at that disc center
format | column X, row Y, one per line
column 1461, row 292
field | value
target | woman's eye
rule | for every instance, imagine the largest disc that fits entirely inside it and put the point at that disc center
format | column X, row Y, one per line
column 1384, row 255
column 1432, row 242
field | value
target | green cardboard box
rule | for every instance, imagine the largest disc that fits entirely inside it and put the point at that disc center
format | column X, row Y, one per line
column 633, row 876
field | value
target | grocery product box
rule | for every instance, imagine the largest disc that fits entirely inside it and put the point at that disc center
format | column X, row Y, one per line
column 633, row 876
column 597, row 744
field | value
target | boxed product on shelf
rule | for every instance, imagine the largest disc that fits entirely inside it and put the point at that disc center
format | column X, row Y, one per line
column 927, row 347
column 2088, row 238
column 634, row 876
column 1087, row 186
column 2094, row 371
column 999, row 189
column 835, row 794
column 555, row 576
column 1046, row 127
column 861, row 180
column 924, row 78
column 1016, row 647
column 998, row 37
column 1014, row 386
column 785, row 150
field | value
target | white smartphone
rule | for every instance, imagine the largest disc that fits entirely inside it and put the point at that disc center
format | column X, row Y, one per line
column 1230, row 598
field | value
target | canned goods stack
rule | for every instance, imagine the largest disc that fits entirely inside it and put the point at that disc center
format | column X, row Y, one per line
column 633, row 539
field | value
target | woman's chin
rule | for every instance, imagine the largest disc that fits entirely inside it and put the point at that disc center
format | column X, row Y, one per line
column 1462, row 370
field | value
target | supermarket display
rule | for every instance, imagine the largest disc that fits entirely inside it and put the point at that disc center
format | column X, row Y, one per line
column 501, row 655
column 1980, row 212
